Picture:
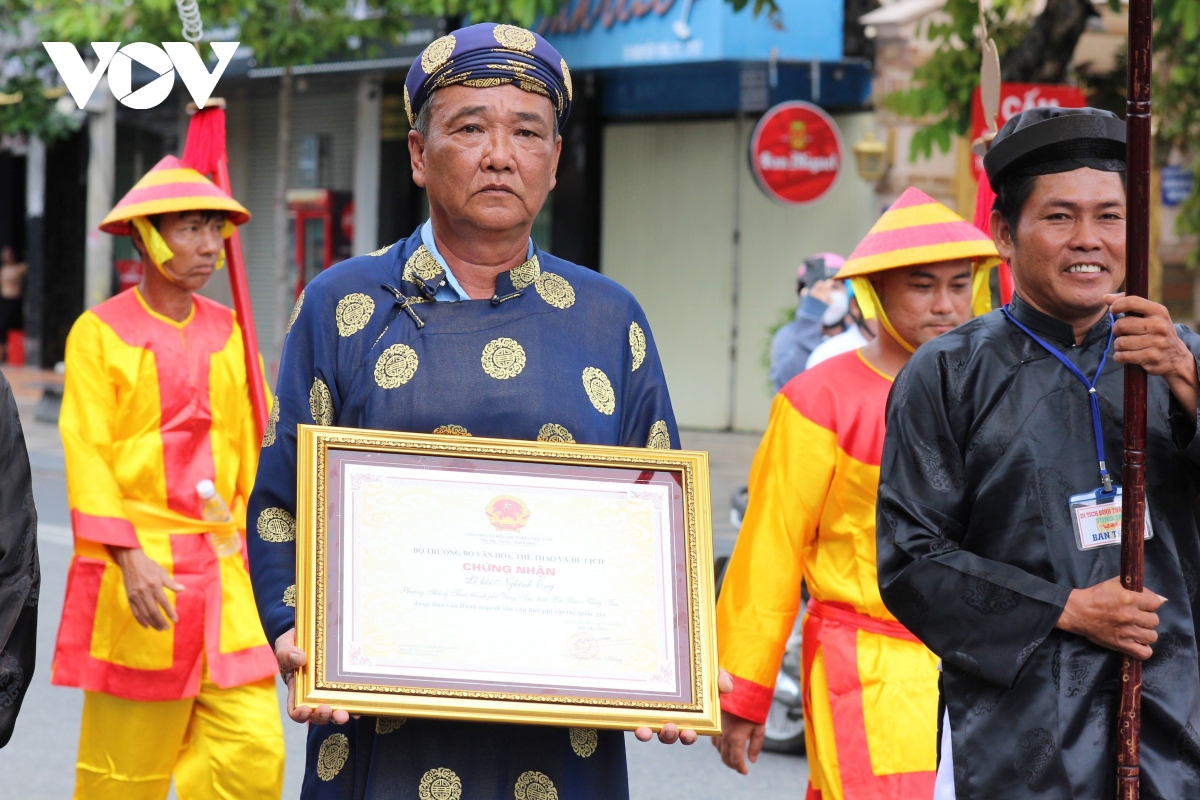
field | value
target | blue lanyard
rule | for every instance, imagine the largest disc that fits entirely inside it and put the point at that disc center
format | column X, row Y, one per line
column 1097, row 431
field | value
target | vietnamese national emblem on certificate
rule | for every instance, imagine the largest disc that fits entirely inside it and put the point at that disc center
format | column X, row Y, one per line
column 507, row 513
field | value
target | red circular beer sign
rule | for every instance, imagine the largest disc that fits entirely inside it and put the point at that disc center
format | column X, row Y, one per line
column 796, row 153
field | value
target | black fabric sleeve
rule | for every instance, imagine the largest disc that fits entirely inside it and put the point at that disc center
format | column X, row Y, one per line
column 20, row 574
column 983, row 616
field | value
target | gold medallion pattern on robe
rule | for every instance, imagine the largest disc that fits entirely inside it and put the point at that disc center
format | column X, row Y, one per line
column 637, row 344
column 395, row 366
column 535, row 786
column 660, row 437
column 384, row 725
column 553, row 432
column 503, row 358
column 514, row 38
column 320, row 403
column 421, row 264
column 272, row 422
column 383, row 250
column 295, row 312
column 437, row 53
column 452, row 430
column 524, row 274
column 332, row 756
column 289, row 599
column 584, row 741
column 562, row 63
column 440, row 784
column 599, row 390
column 555, row 290
column 353, row 313
column 276, row 525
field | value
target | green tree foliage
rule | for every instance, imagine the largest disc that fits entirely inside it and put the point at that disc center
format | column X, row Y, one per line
column 1177, row 94
column 940, row 97
column 26, row 108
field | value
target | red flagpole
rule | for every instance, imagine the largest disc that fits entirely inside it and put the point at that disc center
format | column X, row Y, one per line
column 205, row 152
column 1137, row 283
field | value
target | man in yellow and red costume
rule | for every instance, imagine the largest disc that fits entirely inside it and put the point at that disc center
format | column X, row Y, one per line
column 870, row 687
column 159, row 625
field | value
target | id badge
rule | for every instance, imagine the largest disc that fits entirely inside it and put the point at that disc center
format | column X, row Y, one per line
column 1096, row 516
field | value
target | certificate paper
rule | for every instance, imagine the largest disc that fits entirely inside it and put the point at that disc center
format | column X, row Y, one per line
column 457, row 576
column 536, row 583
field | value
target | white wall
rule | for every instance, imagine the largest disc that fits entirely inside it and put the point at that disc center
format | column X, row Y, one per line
column 668, row 234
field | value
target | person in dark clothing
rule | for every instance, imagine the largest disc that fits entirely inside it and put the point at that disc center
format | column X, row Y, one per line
column 999, row 515
column 20, row 574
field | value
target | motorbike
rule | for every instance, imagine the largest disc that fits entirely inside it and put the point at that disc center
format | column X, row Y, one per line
column 785, row 720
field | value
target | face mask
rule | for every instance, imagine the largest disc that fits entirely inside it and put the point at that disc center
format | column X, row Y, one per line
column 839, row 304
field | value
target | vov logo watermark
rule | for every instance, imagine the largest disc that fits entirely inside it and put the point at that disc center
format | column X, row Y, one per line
column 165, row 61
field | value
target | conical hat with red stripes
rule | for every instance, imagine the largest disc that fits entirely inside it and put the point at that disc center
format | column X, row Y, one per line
column 171, row 187
column 917, row 230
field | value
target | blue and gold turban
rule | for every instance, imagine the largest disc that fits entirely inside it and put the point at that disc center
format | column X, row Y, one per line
column 486, row 55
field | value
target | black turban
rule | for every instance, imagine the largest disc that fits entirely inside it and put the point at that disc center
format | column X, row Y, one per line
column 1043, row 141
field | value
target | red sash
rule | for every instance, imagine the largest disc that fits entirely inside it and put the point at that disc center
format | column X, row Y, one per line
column 834, row 628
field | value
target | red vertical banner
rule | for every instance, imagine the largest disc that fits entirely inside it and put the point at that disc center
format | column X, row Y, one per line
column 1018, row 97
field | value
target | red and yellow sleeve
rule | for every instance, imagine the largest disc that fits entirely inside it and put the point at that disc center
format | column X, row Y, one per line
column 86, row 423
column 760, row 596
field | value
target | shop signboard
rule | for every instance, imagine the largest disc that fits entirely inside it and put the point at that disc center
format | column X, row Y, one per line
column 796, row 153
column 603, row 34
column 1018, row 97
column 1176, row 184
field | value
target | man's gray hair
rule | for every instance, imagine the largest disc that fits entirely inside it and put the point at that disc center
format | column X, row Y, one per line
column 425, row 115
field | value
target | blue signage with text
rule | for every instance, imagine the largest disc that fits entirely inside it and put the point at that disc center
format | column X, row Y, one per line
column 600, row 34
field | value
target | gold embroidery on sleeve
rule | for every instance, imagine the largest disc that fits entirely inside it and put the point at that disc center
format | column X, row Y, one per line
column 276, row 525
column 320, row 403
column 584, row 741
column 289, row 596
column 637, row 343
column 503, row 358
column 452, row 430
column 660, row 437
column 440, row 784
column 555, row 290
column 553, row 432
column 295, row 312
column 599, row 390
column 272, row 423
column 395, row 366
column 383, row 250
column 332, row 756
column 534, row 786
column 353, row 313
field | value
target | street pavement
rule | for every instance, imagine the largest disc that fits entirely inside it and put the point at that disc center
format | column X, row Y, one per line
column 39, row 761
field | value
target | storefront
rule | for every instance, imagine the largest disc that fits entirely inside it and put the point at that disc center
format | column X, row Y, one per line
column 683, row 223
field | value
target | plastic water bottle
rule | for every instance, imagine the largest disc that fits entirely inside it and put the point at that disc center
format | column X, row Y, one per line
column 215, row 510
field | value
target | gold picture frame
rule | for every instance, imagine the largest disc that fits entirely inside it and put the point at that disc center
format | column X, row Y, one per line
column 342, row 471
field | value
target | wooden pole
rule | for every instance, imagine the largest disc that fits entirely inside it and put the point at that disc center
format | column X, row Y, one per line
column 1137, row 277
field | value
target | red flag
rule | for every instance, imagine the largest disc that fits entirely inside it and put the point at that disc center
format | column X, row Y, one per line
column 984, row 199
column 205, row 152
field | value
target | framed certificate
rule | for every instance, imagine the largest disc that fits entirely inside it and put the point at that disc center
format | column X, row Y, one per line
column 509, row 581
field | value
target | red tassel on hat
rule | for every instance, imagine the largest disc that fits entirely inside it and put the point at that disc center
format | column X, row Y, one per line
column 205, row 141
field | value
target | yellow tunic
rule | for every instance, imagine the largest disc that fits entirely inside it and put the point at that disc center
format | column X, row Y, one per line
column 870, row 688
column 150, row 408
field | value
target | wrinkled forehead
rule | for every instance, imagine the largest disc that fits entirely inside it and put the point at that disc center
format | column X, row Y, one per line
column 505, row 103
